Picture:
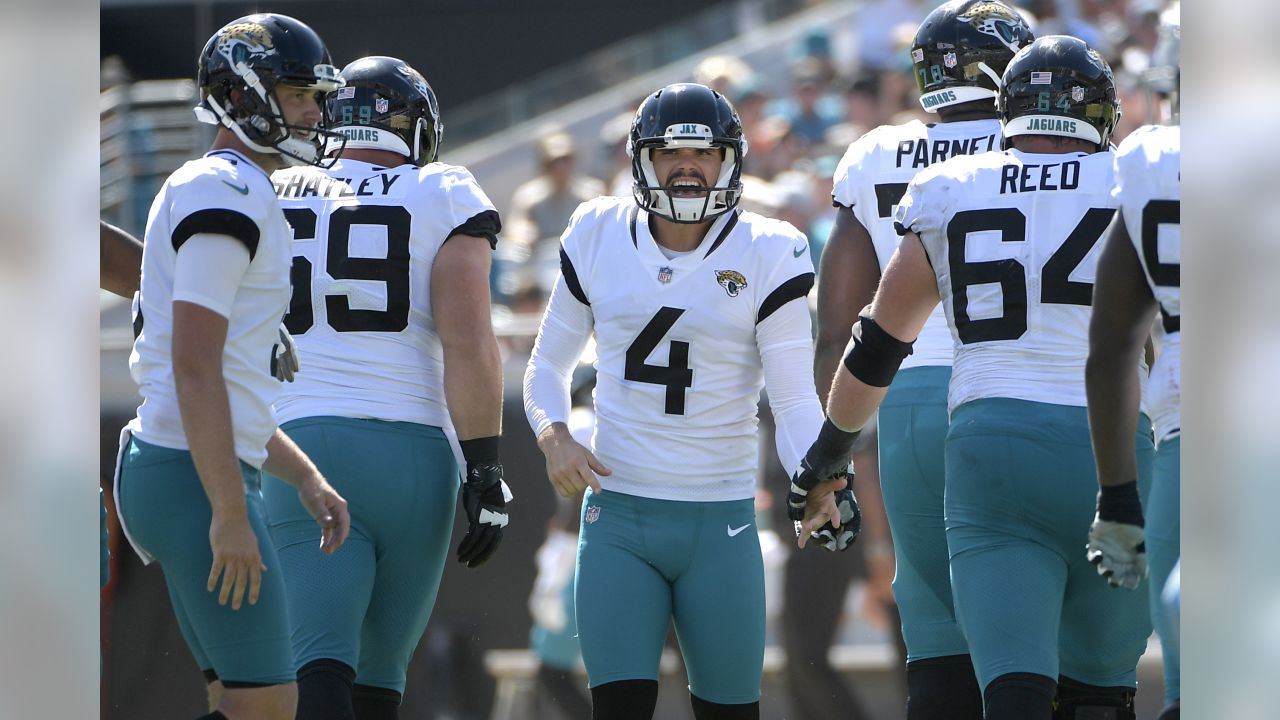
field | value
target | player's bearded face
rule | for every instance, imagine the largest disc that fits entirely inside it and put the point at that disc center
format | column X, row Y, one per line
column 301, row 107
column 689, row 172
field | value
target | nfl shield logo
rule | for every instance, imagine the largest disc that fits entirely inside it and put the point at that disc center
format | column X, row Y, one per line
column 949, row 59
column 381, row 105
column 1077, row 94
column 593, row 513
column 664, row 275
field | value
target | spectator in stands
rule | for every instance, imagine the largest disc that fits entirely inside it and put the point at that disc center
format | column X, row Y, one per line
column 541, row 207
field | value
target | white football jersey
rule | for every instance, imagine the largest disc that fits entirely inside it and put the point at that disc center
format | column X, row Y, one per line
column 1148, row 195
column 679, row 371
column 1013, row 238
column 364, row 241
column 872, row 177
column 222, row 193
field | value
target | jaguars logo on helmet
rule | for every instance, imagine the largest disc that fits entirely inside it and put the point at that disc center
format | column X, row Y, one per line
column 240, row 70
column 243, row 42
column 388, row 105
column 961, row 49
column 1060, row 86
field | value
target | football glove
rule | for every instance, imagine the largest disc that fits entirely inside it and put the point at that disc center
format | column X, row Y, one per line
column 284, row 357
column 486, row 508
column 1116, row 544
column 827, row 457
column 1119, row 551
column 840, row 538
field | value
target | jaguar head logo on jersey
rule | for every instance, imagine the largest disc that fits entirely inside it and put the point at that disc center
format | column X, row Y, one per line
column 732, row 281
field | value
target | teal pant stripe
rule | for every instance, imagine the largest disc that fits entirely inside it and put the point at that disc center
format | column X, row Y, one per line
column 168, row 514
column 912, row 432
column 1021, row 493
column 368, row 604
column 643, row 563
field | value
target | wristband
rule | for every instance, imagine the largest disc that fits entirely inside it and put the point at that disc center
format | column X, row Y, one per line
column 480, row 450
column 1120, row 503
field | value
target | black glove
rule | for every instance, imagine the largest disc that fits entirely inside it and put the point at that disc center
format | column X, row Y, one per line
column 840, row 538
column 827, row 457
column 483, row 501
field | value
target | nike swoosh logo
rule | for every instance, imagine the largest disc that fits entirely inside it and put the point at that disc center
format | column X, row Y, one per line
column 735, row 531
column 794, row 253
column 242, row 190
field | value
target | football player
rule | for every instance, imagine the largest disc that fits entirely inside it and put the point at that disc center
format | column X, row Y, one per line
column 1139, row 274
column 695, row 306
column 390, row 308
column 959, row 53
column 1007, row 241
column 215, row 283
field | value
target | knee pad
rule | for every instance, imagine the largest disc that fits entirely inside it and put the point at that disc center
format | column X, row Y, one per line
column 943, row 688
column 1079, row 701
column 376, row 703
column 707, row 710
column 1020, row 696
column 624, row 700
column 324, row 690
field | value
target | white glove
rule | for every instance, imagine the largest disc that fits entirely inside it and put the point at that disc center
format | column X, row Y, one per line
column 1119, row 551
column 284, row 357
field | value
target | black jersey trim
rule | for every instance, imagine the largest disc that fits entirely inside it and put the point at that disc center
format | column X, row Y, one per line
column 1171, row 323
column 793, row 289
column 633, row 215
column 901, row 229
column 724, row 233
column 571, row 278
column 218, row 221
column 485, row 224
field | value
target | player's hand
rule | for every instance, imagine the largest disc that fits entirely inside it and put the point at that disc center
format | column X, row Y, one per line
column 827, row 459
column 284, row 357
column 571, row 468
column 235, row 558
column 1119, row 551
column 486, row 509
column 329, row 510
column 819, row 508
column 842, row 529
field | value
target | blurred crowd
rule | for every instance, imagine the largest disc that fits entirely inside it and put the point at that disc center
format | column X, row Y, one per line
column 841, row 83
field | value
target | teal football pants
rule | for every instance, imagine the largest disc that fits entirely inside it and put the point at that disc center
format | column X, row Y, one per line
column 643, row 563
column 912, row 432
column 368, row 604
column 1163, row 549
column 1021, row 494
column 167, row 513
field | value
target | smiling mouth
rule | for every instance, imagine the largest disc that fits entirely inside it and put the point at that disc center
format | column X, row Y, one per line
column 687, row 187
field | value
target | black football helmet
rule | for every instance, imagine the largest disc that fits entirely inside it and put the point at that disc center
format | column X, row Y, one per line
column 686, row 115
column 961, row 49
column 1058, row 85
column 387, row 105
column 239, row 70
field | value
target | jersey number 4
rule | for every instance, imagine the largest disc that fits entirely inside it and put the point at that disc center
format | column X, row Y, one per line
column 1056, row 286
column 392, row 271
column 676, row 375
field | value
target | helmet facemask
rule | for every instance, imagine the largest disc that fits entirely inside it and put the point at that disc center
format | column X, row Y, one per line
column 719, row 197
